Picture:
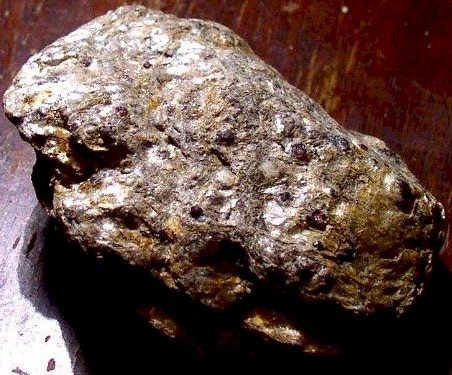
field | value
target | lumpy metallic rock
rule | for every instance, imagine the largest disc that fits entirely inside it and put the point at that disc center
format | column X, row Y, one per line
column 169, row 143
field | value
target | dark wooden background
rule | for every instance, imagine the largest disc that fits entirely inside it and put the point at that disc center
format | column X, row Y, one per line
column 380, row 67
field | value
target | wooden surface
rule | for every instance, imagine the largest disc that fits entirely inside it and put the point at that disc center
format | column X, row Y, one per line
column 380, row 67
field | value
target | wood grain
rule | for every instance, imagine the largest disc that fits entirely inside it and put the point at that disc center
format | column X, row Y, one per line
column 381, row 67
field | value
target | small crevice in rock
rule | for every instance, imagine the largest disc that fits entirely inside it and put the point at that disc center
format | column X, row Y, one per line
column 220, row 157
column 407, row 196
column 16, row 120
column 225, row 255
column 176, row 143
column 41, row 177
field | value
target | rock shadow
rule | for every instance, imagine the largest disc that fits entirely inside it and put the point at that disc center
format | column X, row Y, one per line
column 95, row 303
column 32, row 274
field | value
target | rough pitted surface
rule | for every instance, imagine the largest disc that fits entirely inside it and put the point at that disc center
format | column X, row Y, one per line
column 168, row 142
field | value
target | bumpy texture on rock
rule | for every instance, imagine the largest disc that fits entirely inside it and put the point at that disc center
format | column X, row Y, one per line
column 171, row 144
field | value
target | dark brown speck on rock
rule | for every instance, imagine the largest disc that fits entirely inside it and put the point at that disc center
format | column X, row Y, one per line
column 196, row 211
